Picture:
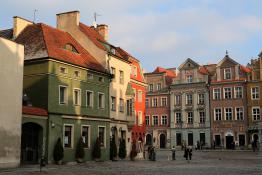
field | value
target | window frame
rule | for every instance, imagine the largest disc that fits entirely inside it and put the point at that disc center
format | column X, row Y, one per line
column 153, row 120
column 104, row 140
column 258, row 115
column 72, row 136
column 217, row 93
column 236, row 92
column 92, row 99
column 257, row 97
column 236, row 113
column 166, row 120
column 147, row 120
column 103, row 104
column 79, row 97
column 113, row 108
column 225, row 114
column 227, row 92
column 225, row 74
column 89, row 134
column 121, row 77
column 65, row 95
column 165, row 101
column 219, row 117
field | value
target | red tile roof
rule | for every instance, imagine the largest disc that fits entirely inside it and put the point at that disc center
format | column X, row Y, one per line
column 29, row 110
column 39, row 38
column 169, row 74
column 203, row 70
column 245, row 69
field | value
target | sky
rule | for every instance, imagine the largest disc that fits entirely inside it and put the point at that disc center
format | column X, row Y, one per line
column 161, row 32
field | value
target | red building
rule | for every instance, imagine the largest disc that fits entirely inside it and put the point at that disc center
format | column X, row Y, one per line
column 139, row 86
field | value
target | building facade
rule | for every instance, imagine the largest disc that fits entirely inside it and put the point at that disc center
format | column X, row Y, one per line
column 228, row 99
column 157, row 117
column 11, row 75
column 254, row 101
column 189, row 106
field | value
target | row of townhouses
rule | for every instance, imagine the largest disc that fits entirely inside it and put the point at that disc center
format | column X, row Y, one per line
column 215, row 105
column 66, row 82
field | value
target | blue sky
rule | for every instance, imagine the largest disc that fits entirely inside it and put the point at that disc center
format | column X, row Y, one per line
column 161, row 32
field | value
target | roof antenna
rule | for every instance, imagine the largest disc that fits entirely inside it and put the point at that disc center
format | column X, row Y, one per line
column 226, row 53
column 35, row 15
column 95, row 17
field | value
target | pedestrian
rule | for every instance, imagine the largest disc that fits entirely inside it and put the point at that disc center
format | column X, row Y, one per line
column 214, row 144
column 190, row 153
column 173, row 150
column 253, row 146
column 186, row 153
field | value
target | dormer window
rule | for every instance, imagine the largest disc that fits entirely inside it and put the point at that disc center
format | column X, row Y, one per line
column 189, row 78
column 70, row 48
column 76, row 74
column 113, row 51
column 227, row 74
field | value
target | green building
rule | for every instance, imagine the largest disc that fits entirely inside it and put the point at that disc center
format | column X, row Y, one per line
column 61, row 77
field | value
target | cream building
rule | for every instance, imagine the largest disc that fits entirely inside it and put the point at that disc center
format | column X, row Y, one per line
column 11, row 76
column 94, row 40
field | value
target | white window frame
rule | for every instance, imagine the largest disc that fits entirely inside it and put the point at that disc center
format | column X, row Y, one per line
column 180, row 117
column 221, row 114
column 91, row 77
column 164, row 115
column 79, row 97
column 235, row 91
column 147, row 116
column 103, row 104
column 177, row 102
column 140, row 118
column 256, row 98
column 113, row 103
column 100, row 126
column 230, row 72
column 224, row 92
column 113, row 72
column 162, row 101
column 158, row 86
column 62, row 67
column 72, row 136
column 190, row 117
column 139, row 96
column 89, row 134
column 121, row 108
column 153, row 121
column 134, row 70
column 75, row 74
column 151, row 87
column 189, row 78
column 153, row 105
column 66, row 95
column 236, row 112
column 219, row 97
column 257, row 119
column 147, row 103
column 92, row 99
column 225, row 114
column 188, row 100
column 121, row 77
column 204, row 117
column 198, row 98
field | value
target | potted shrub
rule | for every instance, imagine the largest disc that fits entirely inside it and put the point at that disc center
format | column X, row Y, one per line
column 80, row 151
column 58, row 153
column 133, row 152
column 97, row 150
column 122, row 149
column 113, row 149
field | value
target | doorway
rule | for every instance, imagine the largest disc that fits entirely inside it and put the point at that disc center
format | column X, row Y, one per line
column 31, row 143
column 190, row 139
column 217, row 140
column 148, row 139
column 162, row 141
column 178, row 139
column 242, row 140
column 229, row 141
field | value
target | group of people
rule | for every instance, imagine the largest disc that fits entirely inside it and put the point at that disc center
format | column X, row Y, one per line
column 188, row 153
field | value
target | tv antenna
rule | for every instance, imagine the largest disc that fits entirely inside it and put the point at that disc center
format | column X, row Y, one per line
column 35, row 11
column 96, row 15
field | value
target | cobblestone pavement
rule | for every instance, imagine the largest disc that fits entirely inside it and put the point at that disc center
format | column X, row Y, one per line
column 203, row 163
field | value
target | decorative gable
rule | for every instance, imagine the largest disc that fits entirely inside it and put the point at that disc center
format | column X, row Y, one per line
column 188, row 64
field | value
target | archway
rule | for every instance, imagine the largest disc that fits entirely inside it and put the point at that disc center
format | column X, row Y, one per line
column 148, row 139
column 162, row 141
column 31, row 143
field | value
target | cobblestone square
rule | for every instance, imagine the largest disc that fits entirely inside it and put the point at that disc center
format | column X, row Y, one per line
column 203, row 163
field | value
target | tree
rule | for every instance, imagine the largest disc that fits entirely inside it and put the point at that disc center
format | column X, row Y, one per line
column 133, row 152
column 122, row 149
column 97, row 149
column 80, row 151
column 113, row 148
column 58, row 153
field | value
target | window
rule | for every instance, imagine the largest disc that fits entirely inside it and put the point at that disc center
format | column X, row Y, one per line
column 178, row 117
column 256, row 113
column 218, row 114
column 147, row 121
column 177, row 99
column 129, row 107
column 164, row 101
column 121, row 77
column 134, row 71
column 89, row 76
column 63, row 70
column 227, row 74
column 68, row 136
column 189, row 99
column 121, row 105
column 77, row 97
column 134, row 90
column 158, row 86
column 255, row 93
column 140, row 119
column 139, row 96
column 154, row 102
column 190, row 117
column 85, row 136
column 227, row 93
column 89, row 98
column 239, row 113
column 102, row 136
column 147, row 102
column 164, row 120
column 70, row 48
column 202, row 117
column 216, row 94
column 101, row 100
column 101, row 79
column 113, row 103
column 113, row 72
column 62, row 94
column 155, row 120
column 151, row 86
column 201, row 99
column 238, row 92
column 228, row 113
column 189, row 79
column 76, row 74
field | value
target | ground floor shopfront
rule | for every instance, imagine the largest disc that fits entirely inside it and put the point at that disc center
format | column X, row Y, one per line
column 40, row 134
column 190, row 137
column 159, row 138
column 255, row 134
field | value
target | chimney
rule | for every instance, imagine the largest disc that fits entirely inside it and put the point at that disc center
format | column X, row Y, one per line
column 102, row 29
column 19, row 24
column 67, row 20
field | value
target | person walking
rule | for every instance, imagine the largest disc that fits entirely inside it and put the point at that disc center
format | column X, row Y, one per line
column 186, row 153
column 190, row 153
